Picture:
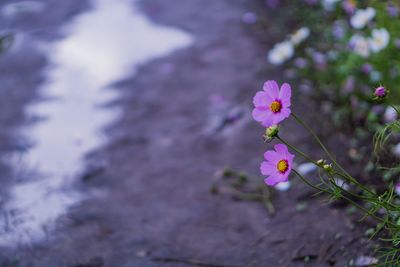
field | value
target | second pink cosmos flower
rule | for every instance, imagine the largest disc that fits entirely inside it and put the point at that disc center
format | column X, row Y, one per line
column 278, row 165
column 272, row 105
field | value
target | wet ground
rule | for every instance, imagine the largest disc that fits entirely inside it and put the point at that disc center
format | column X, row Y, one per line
column 144, row 196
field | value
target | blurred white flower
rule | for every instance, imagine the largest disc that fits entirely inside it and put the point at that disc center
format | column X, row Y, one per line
column 396, row 150
column 306, row 168
column 375, row 76
column 390, row 114
column 379, row 40
column 300, row 35
column 329, row 4
column 360, row 45
column 280, row 53
column 362, row 17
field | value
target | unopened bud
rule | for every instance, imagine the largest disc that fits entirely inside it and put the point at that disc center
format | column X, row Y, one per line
column 328, row 167
column 321, row 162
column 380, row 92
column 271, row 132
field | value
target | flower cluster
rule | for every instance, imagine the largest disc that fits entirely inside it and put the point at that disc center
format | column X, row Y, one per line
column 271, row 107
column 362, row 17
column 378, row 41
column 283, row 51
column 354, row 47
column 342, row 50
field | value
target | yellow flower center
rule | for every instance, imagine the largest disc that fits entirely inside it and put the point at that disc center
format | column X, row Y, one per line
column 275, row 106
column 282, row 166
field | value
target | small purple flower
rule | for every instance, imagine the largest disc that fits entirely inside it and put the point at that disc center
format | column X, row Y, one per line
column 300, row 63
column 272, row 105
column 320, row 60
column 366, row 68
column 249, row 18
column 397, row 188
column 349, row 6
column 272, row 3
column 380, row 92
column 349, row 85
column 378, row 109
column 392, row 10
column 338, row 30
column 311, row 2
column 277, row 166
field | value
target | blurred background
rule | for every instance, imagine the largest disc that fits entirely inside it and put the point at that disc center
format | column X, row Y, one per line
column 126, row 136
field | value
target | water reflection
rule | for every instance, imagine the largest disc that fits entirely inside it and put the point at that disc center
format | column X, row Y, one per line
column 102, row 46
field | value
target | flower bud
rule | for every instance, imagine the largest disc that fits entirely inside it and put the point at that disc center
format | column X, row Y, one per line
column 321, row 162
column 328, row 167
column 271, row 132
column 380, row 92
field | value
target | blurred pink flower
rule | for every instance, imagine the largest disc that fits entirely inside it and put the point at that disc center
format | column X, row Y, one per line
column 349, row 6
column 349, row 85
column 273, row 3
column 300, row 63
column 249, row 18
column 392, row 10
column 277, row 166
column 272, row 105
column 311, row 2
column 339, row 30
column 366, row 68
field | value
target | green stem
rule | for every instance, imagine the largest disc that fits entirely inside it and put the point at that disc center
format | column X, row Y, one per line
column 309, row 183
column 344, row 197
column 362, row 208
column 348, row 178
column 308, row 128
column 298, row 151
column 345, row 174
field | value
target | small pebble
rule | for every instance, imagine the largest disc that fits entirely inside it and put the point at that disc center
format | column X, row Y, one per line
column 365, row 261
column 283, row 186
column 306, row 168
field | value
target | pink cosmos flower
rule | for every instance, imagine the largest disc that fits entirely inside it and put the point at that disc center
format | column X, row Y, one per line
column 278, row 165
column 272, row 105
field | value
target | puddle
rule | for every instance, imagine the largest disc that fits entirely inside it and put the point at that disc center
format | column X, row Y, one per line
column 102, row 46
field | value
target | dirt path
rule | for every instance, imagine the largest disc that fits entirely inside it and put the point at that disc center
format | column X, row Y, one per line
column 156, row 208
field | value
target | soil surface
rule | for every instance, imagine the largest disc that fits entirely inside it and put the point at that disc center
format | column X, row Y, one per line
column 185, row 117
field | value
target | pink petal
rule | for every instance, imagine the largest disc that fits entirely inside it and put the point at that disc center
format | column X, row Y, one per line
column 271, row 181
column 284, row 153
column 281, row 149
column 268, row 119
column 285, row 112
column 261, row 99
column 285, row 94
column 290, row 158
column 272, row 156
column 277, row 118
column 260, row 115
column 272, row 89
column 267, row 168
